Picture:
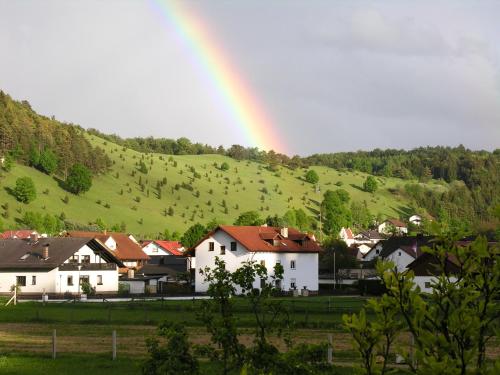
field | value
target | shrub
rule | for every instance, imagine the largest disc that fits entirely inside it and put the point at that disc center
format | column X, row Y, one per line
column 79, row 179
column 312, row 177
column 25, row 190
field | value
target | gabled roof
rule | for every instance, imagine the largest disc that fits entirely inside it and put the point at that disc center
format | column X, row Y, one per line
column 409, row 244
column 21, row 254
column 173, row 247
column 126, row 248
column 19, row 234
column 428, row 265
column 269, row 239
column 348, row 233
column 371, row 235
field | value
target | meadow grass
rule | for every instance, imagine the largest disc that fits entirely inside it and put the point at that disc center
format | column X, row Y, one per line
column 241, row 187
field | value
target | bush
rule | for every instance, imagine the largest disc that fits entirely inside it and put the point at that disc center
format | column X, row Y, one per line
column 79, row 179
column 25, row 190
column 312, row 177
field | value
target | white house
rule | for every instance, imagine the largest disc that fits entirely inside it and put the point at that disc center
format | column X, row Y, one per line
column 124, row 247
column 57, row 265
column 425, row 270
column 162, row 248
column 393, row 225
column 415, row 219
column 400, row 250
column 347, row 236
column 297, row 252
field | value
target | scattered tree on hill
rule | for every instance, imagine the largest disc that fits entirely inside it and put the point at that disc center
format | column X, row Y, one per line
column 312, row 177
column 79, row 179
column 370, row 185
column 224, row 166
column 25, row 190
column 142, row 167
column 249, row 218
column 47, row 162
column 193, row 235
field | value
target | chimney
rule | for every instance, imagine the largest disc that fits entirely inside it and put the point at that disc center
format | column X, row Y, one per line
column 45, row 252
column 284, row 232
column 34, row 237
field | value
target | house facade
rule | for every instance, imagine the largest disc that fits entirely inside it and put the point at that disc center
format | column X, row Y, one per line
column 162, row 248
column 297, row 253
column 57, row 266
column 393, row 226
column 125, row 247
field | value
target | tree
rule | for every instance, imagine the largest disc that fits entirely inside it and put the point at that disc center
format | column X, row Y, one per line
column 343, row 258
column 312, row 177
column 249, row 218
column 370, row 185
column 217, row 313
column 335, row 212
column 193, row 235
column 142, row 167
column 361, row 216
column 224, row 166
column 25, row 190
column 174, row 357
column 47, row 162
column 450, row 326
column 79, row 179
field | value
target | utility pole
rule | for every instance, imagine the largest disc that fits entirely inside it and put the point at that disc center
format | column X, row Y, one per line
column 334, row 273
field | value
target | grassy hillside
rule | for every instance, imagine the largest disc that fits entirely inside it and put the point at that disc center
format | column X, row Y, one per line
column 242, row 187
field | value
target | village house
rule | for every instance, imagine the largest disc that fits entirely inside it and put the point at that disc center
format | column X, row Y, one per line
column 20, row 234
column 162, row 248
column 425, row 269
column 124, row 247
column 57, row 265
column 415, row 220
column 393, row 226
column 400, row 250
column 297, row 252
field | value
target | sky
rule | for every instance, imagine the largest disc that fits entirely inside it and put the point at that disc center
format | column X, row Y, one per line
column 327, row 76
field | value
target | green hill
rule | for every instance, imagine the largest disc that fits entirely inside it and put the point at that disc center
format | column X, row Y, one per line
column 193, row 186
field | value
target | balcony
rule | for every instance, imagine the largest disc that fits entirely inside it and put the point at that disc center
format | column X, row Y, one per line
column 87, row 267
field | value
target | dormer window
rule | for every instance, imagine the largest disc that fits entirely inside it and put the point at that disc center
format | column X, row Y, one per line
column 25, row 256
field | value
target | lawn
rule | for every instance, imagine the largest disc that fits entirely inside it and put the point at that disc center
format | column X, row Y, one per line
column 117, row 196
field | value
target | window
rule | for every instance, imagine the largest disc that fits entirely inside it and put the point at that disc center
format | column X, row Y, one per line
column 278, row 284
column 263, row 263
column 85, row 258
column 222, row 249
column 399, row 253
column 233, row 246
column 21, row 280
column 376, row 251
column 33, row 280
column 70, row 280
column 211, row 246
column 73, row 259
column 292, row 264
column 262, row 283
column 155, row 249
column 99, row 279
column 427, row 284
column 293, row 284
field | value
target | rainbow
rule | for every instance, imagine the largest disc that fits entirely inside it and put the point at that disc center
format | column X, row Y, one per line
column 235, row 96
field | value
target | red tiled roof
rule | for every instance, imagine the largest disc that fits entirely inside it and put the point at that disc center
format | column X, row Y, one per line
column 19, row 234
column 172, row 247
column 349, row 234
column 253, row 238
column 126, row 249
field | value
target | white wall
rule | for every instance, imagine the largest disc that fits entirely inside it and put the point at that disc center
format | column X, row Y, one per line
column 152, row 249
column 401, row 259
column 305, row 272
column 45, row 281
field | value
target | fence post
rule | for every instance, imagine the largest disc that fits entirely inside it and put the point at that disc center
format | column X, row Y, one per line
column 114, row 344
column 330, row 349
column 54, row 344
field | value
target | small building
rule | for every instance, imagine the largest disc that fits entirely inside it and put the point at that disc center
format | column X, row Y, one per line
column 162, row 248
column 56, row 265
column 347, row 236
column 140, row 284
column 297, row 252
column 393, row 226
column 415, row 220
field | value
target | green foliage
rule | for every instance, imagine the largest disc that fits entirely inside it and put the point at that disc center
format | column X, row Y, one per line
column 450, row 326
column 79, row 179
column 193, row 235
column 25, row 190
column 361, row 215
column 335, row 212
column 312, row 177
column 50, row 224
column 343, row 258
column 249, row 218
column 142, row 167
column 370, row 185
column 87, row 288
column 175, row 357
column 224, row 166
column 47, row 162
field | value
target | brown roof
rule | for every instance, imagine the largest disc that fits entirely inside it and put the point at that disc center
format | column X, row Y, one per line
column 22, row 254
column 21, row 234
column 126, row 249
column 269, row 239
column 397, row 223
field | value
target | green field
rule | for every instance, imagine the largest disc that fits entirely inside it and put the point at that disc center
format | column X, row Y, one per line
column 143, row 212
